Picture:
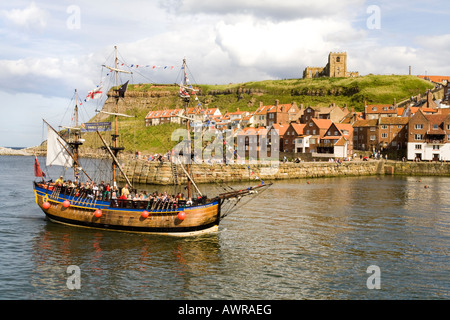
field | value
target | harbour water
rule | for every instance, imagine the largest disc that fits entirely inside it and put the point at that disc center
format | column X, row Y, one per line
column 301, row 239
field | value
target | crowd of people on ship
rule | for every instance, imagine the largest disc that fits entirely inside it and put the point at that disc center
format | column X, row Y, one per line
column 124, row 197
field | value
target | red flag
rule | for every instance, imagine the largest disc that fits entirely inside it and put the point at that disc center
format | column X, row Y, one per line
column 37, row 169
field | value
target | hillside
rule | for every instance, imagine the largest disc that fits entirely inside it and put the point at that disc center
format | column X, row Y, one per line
column 246, row 96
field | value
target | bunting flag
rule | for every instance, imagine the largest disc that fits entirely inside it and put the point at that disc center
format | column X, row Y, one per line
column 154, row 67
column 37, row 169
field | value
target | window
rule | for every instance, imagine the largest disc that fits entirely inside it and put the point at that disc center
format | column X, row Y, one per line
column 384, row 135
column 307, row 131
column 310, row 124
column 384, row 126
column 448, row 127
column 435, row 147
column 374, row 108
column 399, row 126
column 300, row 141
column 373, row 128
column 372, row 138
column 309, row 110
column 435, row 127
column 329, row 133
column 335, row 133
column 314, row 131
column 418, row 137
column 418, row 126
column 418, row 147
column 338, row 59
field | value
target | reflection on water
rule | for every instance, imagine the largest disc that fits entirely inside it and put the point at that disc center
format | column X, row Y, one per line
column 297, row 240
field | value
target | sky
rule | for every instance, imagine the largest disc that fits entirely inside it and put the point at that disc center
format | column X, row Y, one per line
column 50, row 48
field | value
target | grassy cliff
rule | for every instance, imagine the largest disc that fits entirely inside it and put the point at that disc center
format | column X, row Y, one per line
column 246, row 96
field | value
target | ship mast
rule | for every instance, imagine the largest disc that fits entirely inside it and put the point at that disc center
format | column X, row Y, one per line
column 186, row 104
column 115, row 145
column 76, row 142
column 120, row 92
column 76, row 139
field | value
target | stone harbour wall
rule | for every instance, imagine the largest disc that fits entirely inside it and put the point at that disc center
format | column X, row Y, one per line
column 144, row 172
column 417, row 168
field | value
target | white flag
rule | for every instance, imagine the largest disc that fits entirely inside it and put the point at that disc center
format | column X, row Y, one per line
column 95, row 94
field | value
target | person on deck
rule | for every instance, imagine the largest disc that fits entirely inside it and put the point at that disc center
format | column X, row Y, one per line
column 59, row 182
column 125, row 191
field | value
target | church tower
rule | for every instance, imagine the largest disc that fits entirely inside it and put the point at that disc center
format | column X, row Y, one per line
column 337, row 65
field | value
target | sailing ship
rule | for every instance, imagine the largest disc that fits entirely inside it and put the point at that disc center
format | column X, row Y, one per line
column 70, row 204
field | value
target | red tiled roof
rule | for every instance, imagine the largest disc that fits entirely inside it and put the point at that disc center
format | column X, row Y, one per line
column 379, row 108
column 298, row 127
column 281, row 128
column 322, row 123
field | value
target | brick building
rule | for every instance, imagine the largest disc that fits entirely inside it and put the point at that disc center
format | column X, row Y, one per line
column 429, row 137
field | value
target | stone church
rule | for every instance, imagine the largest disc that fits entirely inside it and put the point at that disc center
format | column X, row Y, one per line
column 335, row 68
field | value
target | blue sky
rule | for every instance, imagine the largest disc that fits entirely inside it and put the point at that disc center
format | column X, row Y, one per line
column 49, row 48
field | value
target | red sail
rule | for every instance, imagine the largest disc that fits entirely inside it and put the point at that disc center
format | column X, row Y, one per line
column 37, row 169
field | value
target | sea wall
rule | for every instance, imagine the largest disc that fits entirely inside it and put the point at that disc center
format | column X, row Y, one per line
column 417, row 168
column 144, row 172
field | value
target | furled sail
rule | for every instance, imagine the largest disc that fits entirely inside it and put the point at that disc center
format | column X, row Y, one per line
column 57, row 150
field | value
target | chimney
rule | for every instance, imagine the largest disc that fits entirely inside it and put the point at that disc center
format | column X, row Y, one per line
column 301, row 106
column 260, row 104
column 237, row 109
column 277, row 102
column 395, row 102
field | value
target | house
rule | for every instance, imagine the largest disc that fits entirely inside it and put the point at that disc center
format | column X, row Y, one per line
column 279, row 134
column 365, row 135
column 429, row 137
column 352, row 117
column 252, row 142
column 338, row 141
column 293, row 131
column 293, row 111
column 248, row 120
column 316, row 128
column 153, row 118
column 196, row 114
column 376, row 111
column 302, row 143
column 277, row 114
column 212, row 112
column 260, row 116
column 393, row 132
column 333, row 113
column 156, row 117
column 446, row 99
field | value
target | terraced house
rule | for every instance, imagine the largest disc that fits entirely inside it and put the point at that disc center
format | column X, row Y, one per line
column 429, row 137
column 393, row 132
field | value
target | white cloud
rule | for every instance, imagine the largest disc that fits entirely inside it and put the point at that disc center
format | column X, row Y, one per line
column 31, row 17
column 272, row 9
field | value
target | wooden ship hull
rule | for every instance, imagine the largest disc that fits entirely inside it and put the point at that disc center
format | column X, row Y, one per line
column 128, row 215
